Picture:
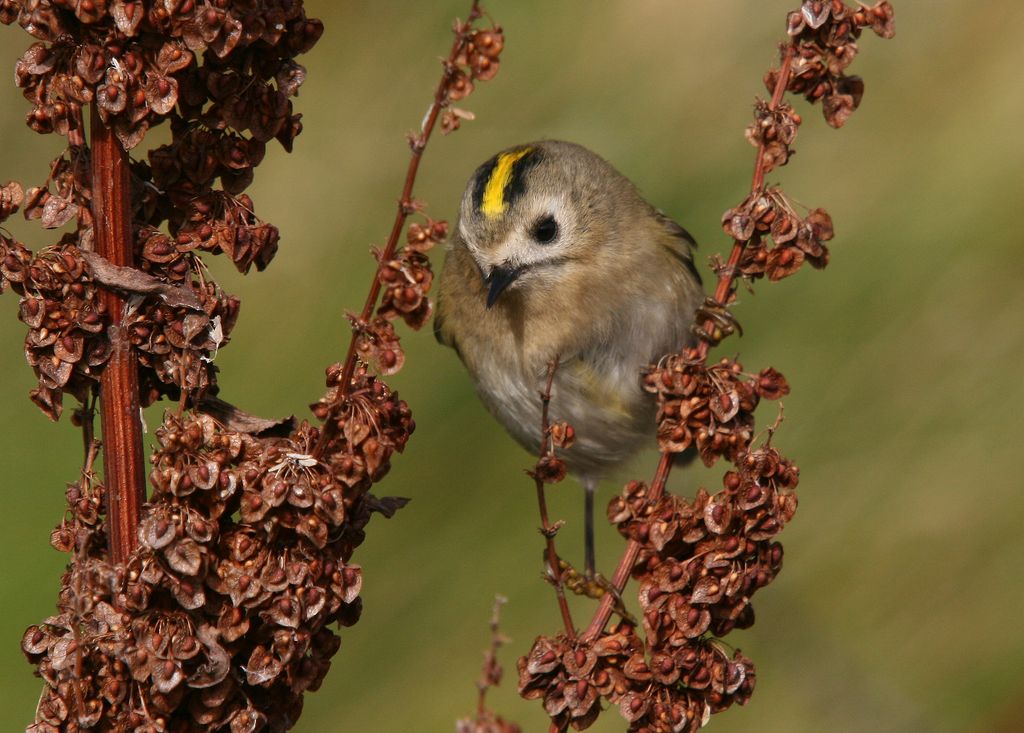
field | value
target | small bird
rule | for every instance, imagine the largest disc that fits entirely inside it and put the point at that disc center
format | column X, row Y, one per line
column 556, row 254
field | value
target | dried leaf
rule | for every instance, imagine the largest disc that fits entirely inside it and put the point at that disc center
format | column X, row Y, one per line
column 130, row 280
column 386, row 505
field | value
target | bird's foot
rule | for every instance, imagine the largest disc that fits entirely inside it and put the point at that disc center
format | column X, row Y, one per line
column 580, row 583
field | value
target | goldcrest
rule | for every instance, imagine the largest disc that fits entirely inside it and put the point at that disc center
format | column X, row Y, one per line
column 556, row 254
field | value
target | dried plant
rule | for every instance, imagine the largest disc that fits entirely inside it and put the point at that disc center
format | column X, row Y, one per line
column 699, row 562
column 206, row 606
column 486, row 720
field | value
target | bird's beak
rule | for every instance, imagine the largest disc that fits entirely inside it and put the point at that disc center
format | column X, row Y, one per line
column 499, row 279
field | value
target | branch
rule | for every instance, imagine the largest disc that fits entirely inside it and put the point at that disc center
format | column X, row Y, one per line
column 406, row 206
column 723, row 294
column 123, row 467
column 551, row 468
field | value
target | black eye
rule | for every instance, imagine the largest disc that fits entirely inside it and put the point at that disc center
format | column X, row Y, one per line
column 545, row 230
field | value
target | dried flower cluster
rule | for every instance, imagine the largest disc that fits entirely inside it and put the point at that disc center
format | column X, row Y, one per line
column 794, row 239
column 477, row 60
column 219, row 620
column 139, row 64
column 223, row 74
column 699, row 562
column 405, row 281
column 665, row 688
column 824, row 35
column 66, row 342
column 710, row 407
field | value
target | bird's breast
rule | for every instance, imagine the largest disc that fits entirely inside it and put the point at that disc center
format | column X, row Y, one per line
column 609, row 412
column 603, row 336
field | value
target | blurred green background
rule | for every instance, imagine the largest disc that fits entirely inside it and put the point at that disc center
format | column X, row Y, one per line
column 899, row 608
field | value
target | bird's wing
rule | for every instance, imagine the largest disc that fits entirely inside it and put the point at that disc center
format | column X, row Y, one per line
column 680, row 245
column 446, row 300
column 439, row 333
column 444, row 336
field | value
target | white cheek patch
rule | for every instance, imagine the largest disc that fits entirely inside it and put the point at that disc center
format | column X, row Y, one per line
column 527, row 250
column 520, row 248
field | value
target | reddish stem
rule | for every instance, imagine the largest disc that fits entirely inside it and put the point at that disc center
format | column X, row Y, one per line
column 723, row 293
column 542, row 504
column 727, row 274
column 487, row 674
column 405, row 207
column 625, row 566
column 124, row 475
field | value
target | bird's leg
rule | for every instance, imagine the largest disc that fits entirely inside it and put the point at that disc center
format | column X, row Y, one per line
column 589, row 563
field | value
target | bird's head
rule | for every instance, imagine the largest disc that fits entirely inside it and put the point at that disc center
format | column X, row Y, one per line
column 533, row 216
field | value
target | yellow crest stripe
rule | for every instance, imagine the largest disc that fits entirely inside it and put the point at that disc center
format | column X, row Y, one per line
column 493, row 203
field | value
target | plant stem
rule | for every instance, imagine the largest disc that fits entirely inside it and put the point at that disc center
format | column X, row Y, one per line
column 542, row 504
column 625, row 566
column 405, row 207
column 723, row 292
column 405, row 203
column 123, row 468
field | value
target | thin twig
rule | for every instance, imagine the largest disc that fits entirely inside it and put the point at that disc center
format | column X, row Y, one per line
column 405, row 208
column 487, row 675
column 92, row 449
column 723, row 293
column 546, row 529
column 727, row 274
